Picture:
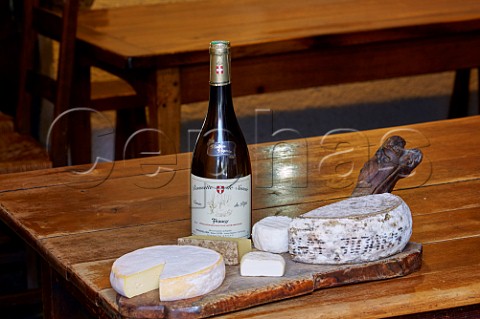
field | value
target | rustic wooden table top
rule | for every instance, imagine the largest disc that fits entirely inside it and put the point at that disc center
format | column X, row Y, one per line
column 179, row 33
column 79, row 223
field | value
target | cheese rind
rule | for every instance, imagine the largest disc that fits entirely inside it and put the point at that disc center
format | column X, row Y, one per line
column 232, row 249
column 262, row 264
column 271, row 234
column 358, row 229
column 178, row 272
column 176, row 284
column 130, row 283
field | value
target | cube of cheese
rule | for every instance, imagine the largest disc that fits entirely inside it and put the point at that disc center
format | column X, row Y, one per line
column 262, row 263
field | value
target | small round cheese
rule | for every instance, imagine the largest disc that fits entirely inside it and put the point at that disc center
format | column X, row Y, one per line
column 358, row 229
column 271, row 234
column 179, row 272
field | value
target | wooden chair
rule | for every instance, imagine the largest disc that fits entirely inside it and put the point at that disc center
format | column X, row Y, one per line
column 61, row 27
column 117, row 95
column 19, row 151
column 6, row 123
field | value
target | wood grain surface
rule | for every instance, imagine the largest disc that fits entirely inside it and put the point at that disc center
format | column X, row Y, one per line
column 79, row 229
column 267, row 27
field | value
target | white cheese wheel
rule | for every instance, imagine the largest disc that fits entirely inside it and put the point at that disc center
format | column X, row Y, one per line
column 271, row 234
column 262, row 263
column 358, row 229
column 179, row 272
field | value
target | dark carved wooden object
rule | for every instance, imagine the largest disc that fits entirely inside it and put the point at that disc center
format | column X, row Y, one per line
column 390, row 163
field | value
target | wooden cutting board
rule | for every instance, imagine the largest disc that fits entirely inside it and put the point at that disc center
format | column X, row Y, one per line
column 239, row 292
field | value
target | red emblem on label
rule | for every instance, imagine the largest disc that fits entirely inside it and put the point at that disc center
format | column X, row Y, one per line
column 220, row 189
column 219, row 69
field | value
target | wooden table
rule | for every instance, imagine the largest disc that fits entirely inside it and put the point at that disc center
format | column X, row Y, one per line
column 79, row 224
column 162, row 49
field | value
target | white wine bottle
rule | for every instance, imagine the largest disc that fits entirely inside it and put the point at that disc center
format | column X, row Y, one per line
column 221, row 175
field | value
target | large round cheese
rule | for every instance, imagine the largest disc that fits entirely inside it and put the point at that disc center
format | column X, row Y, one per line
column 179, row 272
column 358, row 229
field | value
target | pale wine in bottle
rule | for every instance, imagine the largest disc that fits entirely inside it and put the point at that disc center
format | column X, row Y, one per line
column 221, row 175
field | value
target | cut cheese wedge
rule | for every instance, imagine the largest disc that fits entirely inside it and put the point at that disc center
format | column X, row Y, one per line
column 358, row 229
column 179, row 272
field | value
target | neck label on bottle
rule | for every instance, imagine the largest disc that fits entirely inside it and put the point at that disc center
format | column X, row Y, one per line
column 221, row 207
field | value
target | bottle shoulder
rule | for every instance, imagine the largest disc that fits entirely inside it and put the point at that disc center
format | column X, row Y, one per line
column 222, row 159
column 221, row 151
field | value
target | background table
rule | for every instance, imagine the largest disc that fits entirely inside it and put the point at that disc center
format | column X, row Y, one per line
column 80, row 223
column 162, row 49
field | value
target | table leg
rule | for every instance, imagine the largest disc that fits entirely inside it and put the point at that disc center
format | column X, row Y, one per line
column 128, row 122
column 163, row 94
column 460, row 95
column 478, row 91
column 32, row 268
column 58, row 303
column 79, row 121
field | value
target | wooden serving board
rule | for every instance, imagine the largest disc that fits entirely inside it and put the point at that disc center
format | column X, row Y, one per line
column 239, row 292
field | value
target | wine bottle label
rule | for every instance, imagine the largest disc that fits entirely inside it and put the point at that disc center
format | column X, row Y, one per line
column 221, row 207
column 226, row 148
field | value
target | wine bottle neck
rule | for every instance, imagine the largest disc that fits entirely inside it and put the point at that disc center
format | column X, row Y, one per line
column 220, row 100
column 219, row 63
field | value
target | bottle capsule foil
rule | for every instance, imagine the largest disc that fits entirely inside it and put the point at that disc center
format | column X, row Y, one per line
column 219, row 63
